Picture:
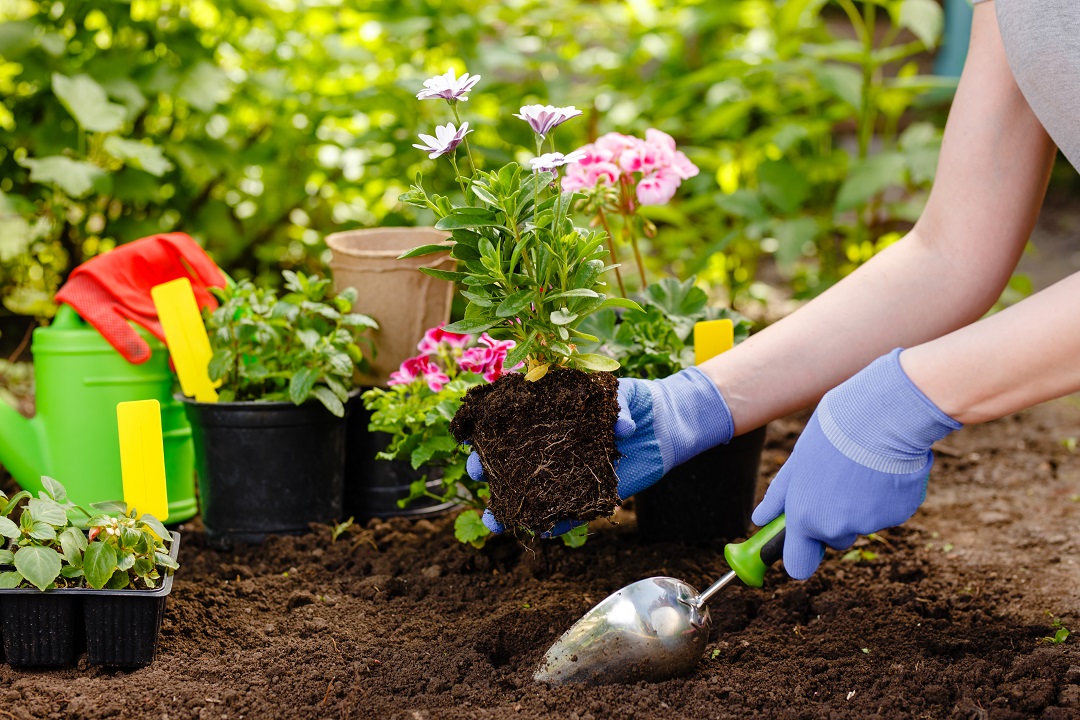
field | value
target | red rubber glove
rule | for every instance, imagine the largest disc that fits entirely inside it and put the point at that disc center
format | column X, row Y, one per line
column 113, row 288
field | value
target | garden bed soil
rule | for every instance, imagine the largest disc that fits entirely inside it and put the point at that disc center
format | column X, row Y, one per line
column 398, row 620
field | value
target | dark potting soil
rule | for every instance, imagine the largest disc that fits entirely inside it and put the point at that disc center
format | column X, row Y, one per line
column 548, row 447
column 940, row 619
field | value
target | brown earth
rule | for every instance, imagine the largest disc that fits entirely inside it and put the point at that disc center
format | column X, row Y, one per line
column 398, row 620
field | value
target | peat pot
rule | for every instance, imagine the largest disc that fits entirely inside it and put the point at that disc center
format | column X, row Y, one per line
column 373, row 487
column 709, row 497
column 266, row 468
column 404, row 301
column 117, row 628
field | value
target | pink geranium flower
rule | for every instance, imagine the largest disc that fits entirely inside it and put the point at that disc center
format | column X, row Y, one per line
column 419, row 368
column 436, row 336
column 475, row 359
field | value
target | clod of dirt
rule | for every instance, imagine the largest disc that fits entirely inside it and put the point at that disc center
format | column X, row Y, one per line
column 548, row 447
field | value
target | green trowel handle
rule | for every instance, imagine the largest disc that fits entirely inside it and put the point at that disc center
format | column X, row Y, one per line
column 750, row 559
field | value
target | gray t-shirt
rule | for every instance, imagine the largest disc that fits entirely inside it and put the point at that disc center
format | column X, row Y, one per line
column 1042, row 42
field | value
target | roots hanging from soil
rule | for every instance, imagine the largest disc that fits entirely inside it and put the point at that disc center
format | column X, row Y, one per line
column 548, row 447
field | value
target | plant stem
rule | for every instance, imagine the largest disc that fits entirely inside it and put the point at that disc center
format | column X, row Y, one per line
column 453, row 161
column 611, row 249
column 468, row 150
column 628, row 231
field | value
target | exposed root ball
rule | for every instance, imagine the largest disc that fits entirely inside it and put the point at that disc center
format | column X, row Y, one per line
column 548, row 447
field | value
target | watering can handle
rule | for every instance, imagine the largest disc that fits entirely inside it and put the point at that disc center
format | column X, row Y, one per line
column 67, row 318
column 750, row 559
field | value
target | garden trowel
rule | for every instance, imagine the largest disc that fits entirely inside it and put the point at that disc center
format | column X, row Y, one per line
column 142, row 457
column 653, row 629
column 186, row 337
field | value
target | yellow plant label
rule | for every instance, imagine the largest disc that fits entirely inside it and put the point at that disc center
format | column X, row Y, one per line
column 142, row 457
column 712, row 337
column 186, row 337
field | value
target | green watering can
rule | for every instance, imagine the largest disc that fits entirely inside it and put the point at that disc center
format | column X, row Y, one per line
column 74, row 438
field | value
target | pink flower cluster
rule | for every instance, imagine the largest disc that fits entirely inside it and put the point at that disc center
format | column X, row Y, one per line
column 486, row 359
column 654, row 163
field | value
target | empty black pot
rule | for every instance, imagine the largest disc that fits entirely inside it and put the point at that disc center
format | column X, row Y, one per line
column 373, row 487
column 709, row 497
column 267, row 468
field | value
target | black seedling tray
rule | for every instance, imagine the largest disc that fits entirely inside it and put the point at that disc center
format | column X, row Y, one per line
column 48, row 629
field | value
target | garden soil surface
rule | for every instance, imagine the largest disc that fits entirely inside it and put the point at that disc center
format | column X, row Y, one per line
column 943, row 618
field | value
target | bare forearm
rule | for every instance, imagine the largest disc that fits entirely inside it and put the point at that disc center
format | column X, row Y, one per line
column 1006, row 362
column 994, row 166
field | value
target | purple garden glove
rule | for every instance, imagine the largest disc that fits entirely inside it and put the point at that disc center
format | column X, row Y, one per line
column 861, row 464
column 661, row 424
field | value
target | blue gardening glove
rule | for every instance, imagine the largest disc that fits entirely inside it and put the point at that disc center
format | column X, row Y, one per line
column 861, row 464
column 661, row 424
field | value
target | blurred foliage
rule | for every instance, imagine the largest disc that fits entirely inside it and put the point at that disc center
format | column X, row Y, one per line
column 258, row 127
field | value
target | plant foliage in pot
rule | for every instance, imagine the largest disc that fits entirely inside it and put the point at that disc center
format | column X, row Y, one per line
column 270, row 454
column 545, row 437
column 112, row 565
column 711, row 495
column 411, row 419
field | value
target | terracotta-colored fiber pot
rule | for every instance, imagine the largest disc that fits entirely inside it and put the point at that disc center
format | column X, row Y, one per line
column 404, row 301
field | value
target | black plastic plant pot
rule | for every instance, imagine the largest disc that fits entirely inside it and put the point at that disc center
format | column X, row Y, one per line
column 118, row 628
column 267, row 468
column 709, row 497
column 373, row 487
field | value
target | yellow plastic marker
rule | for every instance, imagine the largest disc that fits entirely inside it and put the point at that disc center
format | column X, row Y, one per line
column 186, row 337
column 712, row 337
column 142, row 457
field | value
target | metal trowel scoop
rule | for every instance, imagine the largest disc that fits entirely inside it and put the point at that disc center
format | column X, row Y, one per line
column 653, row 629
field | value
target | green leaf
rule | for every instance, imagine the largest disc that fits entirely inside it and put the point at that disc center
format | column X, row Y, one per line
column 470, row 326
column 924, row 18
column 469, row 528
column 869, row 177
column 593, row 361
column 39, row 565
column 515, row 303
column 166, row 561
column 74, row 177
column 6, row 557
column 10, row 580
column 574, row 293
column 99, row 564
column 42, row 531
column 461, row 220
column 563, row 317
column 110, row 507
column 424, row 250
column 575, row 537
column 47, row 511
column 138, row 155
column 155, row 525
column 55, row 490
column 618, row 302
column 88, row 103
column 8, row 528
column 301, row 383
column 843, row 81
column 450, row 275
column 205, row 87
column 327, row 397
column 73, row 543
column 783, row 185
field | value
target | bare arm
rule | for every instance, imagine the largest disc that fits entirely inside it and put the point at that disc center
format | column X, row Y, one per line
column 945, row 274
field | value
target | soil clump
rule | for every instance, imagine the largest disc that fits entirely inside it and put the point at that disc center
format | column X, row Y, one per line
column 547, row 447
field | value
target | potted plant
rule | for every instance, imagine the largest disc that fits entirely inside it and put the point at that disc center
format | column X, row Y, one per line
column 710, row 496
column 410, row 420
column 545, row 437
column 113, row 567
column 270, row 454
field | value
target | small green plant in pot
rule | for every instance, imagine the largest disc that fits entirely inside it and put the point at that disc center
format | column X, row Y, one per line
column 110, row 562
column 270, row 454
column 710, row 496
column 415, row 412
column 545, row 437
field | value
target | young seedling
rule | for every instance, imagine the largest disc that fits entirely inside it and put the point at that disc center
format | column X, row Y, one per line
column 1061, row 633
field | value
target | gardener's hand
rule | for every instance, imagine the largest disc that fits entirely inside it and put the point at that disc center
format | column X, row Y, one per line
column 861, row 464
column 661, row 424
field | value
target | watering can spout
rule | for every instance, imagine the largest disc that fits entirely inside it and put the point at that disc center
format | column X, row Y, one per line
column 20, row 447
